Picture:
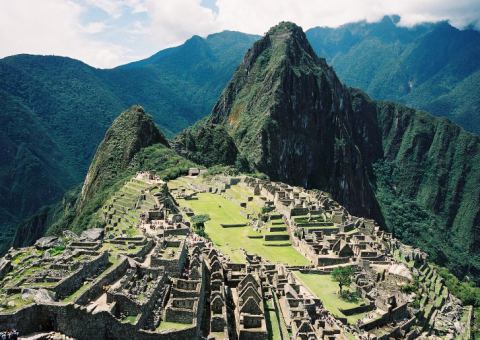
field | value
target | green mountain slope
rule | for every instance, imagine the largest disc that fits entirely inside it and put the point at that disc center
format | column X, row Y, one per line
column 132, row 131
column 133, row 143
column 434, row 165
column 73, row 104
column 430, row 66
column 285, row 113
column 30, row 166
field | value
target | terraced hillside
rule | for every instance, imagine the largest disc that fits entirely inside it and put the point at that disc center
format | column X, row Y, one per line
column 123, row 211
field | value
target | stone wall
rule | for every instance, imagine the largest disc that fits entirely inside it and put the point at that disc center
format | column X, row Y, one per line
column 5, row 267
column 218, row 323
column 276, row 237
column 73, row 282
column 173, row 265
column 76, row 322
column 330, row 261
column 232, row 225
column 181, row 315
column 359, row 309
column 401, row 312
column 145, row 250
column 123, row 305
column 97, row 286
column 150, row 305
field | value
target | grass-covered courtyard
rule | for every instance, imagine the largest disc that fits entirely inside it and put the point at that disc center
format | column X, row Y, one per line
column 231, row 240
column 327, row 291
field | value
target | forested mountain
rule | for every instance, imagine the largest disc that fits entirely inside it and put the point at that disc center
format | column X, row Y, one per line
column 434, row 67
column 56, row 110
column 285, row 113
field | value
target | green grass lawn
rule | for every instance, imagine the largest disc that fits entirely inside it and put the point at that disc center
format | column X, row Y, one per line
column 327, row 291
column 273, row 322
column 130, row 319
column 231, row 240
column 72, row 297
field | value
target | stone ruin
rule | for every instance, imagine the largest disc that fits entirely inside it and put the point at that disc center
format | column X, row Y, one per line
column 147, row 276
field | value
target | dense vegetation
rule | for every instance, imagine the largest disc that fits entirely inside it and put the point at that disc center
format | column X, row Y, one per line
column 432, row 178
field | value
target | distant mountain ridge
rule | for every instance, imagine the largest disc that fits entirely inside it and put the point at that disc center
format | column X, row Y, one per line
column 431, row 66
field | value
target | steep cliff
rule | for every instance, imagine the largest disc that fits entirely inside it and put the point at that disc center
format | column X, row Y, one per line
column 436, row 165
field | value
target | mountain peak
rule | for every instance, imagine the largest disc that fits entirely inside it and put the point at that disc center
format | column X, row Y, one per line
column 130, row 132
column 285, row 27
column 287, row 114
column 285, row 40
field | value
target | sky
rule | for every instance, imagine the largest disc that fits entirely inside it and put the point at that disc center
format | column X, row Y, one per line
column 108, row 33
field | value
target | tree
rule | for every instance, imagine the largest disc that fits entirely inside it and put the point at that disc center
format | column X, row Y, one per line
column 242, row 164
column 199, row 221
column 342, row 275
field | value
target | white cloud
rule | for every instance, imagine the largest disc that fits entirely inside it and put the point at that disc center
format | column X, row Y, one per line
column 67, row 27
column 257, row 16
column 52, row 27
column 173, row 21
column 111, row 7
column 137, row 6
column 94, row 27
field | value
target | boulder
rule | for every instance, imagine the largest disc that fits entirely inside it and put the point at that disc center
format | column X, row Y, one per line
column 38, row 295
column 93, row 234
column 46, row 242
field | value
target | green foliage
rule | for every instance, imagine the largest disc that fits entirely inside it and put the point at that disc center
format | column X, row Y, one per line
column 259, row 175
column 404, row 217
column 266, row 209
column 428, row 189
column 342, row 275
column 466, row 291
column 57, row 250
column 200, row 219
column 411, row 287
column 65, row 215
column 349, row 296
column 199, row 224
column 241, row 163
column 208, row 145
column 159, row 158
column 226, row 170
